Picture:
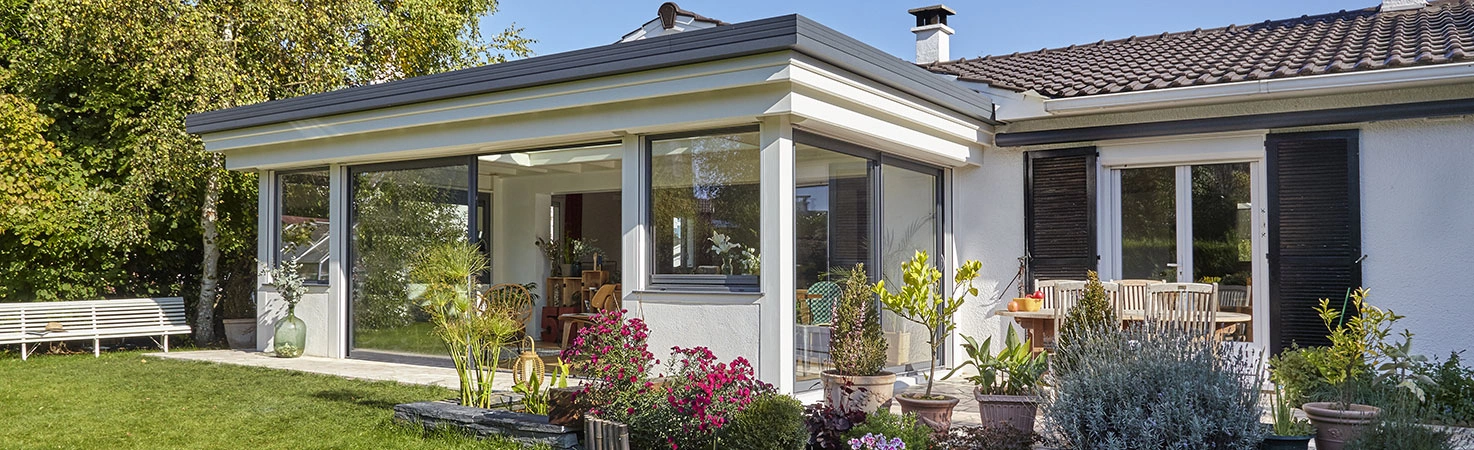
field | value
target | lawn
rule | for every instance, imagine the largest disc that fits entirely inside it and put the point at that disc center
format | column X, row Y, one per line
column 417, row 337
column 124, row 400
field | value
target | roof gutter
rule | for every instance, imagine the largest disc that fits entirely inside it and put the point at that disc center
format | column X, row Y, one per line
column 1263, row 89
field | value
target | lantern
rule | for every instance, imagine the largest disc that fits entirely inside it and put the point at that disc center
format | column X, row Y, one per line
column 529, row 365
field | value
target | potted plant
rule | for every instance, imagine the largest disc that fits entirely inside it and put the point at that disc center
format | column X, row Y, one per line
column 858, row 381
column 290, row 336
column 919, row 299
column 238, row 305
column 1287, row 432
column 1008, row 382
column 1356, row 348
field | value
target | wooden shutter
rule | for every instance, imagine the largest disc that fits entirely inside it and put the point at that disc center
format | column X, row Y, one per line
column 1314, row 230
column 1059, row 205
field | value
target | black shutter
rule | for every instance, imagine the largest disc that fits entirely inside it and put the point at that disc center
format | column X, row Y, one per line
column 1059, row 203
column 1314, row 230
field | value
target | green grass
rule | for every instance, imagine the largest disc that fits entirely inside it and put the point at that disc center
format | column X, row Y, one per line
column 124, row 400
column 417, row 337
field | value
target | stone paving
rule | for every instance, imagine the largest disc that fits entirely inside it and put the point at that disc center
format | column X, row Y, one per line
column 347, row 368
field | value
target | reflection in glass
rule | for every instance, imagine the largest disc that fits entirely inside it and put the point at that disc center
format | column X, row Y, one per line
column 304, row 223
column 1149, row 223
column 832, row 221
column 705, row 204
column 396, row 215
column 910, row 224
column 1222, row 240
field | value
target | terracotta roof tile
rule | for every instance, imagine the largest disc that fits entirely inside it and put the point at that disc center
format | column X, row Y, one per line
column 1345, row 41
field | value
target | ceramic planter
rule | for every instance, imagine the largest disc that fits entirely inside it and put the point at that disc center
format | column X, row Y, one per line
column 1334, row 427
column 1273, row 442
column 935, row 413
column 858, row 393
column 240, row 333
column 1018, row 411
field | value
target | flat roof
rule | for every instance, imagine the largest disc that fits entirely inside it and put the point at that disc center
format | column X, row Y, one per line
column 791, row 32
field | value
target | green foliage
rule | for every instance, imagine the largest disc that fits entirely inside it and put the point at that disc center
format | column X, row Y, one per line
column 399, row 215
column 1154, row 387
column 535, row 390
column 920, row 300
column 857, row 345
column 987, row 437
column 1296, row 371
column 771, row 422
column 1451, row 396
column 892, row 425
column 474, row 332
column 1015, row 370
column 1360, row 347
column 1285, row 423
column 1091, row 314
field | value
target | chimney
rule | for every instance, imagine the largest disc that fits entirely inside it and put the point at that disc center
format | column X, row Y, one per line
column 1399, row 5
column 932, row 33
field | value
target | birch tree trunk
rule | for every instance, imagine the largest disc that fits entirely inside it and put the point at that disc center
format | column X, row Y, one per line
column 204, row 328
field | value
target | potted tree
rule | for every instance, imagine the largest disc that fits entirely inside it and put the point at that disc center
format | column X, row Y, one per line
column 919, row 299
column 858, row 381
column 1287, row 432
column 1008, row 382
column 1355, row 340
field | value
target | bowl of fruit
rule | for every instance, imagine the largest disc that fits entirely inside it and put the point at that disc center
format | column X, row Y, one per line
column 1029, row 303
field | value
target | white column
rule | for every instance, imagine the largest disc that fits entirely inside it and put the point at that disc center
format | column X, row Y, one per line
column 265, row 246
column 775, row 311
column 338, row 230
column 633, row 259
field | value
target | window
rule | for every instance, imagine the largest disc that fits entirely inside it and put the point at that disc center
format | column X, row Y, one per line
column 302, row 233
column 705, row 210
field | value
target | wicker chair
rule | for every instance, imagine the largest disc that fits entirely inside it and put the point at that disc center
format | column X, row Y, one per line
column 510, row 297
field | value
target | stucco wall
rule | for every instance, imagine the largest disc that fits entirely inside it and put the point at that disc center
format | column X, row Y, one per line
column 725, row 323
column 988, row 226
column 317, row 310
column 1418, row 226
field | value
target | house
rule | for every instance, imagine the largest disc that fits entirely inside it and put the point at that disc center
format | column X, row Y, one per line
column 722, row 169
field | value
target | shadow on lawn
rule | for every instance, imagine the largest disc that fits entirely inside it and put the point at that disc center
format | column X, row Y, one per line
column 356, row 397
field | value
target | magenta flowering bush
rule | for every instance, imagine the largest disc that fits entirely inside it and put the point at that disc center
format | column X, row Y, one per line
column 707, row 391
column 871, row 441
column 613, row 355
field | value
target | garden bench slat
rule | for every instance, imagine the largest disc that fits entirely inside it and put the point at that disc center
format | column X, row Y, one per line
column 25, row 323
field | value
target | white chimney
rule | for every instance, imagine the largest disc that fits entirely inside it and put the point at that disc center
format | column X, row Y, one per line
column 1399, row 5
column 933, row 36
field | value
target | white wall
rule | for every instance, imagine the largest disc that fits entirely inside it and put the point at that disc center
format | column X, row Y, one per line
column 988, row 226
column 1418, row 227
column 725, row 323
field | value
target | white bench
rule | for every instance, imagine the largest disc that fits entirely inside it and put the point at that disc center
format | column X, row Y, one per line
column 26, row 323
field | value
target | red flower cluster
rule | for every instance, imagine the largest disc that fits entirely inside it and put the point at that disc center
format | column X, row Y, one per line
column 707, row 392
column 613, row 353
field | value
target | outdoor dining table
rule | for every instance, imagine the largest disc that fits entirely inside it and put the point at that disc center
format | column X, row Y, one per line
column 1039, row 325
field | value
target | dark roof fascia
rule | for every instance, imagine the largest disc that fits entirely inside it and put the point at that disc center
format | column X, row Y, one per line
column 791, row 32
column 1239, row 123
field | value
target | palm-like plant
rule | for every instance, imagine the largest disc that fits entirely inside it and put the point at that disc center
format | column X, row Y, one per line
column 1015, row 370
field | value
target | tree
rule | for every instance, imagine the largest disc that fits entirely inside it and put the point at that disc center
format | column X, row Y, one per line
column 154, row 214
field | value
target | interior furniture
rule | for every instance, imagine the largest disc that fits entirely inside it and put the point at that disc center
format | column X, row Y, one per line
column 560, row 291
column 511, row 297
column 822, row 298
column 590, row 283
column 32, row 323
column 606, row 299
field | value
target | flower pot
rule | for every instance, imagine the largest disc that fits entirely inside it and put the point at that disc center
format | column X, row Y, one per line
column 858, row 393
column 1274, row 442
column 563, row 408
column 240, row 333
column 290, row 337
column 1017, row 411
column 1334, row 427
column 935, row 413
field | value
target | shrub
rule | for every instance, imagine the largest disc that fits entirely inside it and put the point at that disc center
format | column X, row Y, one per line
column 1092, row 315
column 772, row 422
column 1296, row 370
column 1451, row 398
column 1153, row 387
column 989, row 437
column 910, row 430
column 857, row 346
column 827, row 426
column 615, row 357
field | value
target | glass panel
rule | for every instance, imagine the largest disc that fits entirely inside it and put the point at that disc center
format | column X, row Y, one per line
column 304, row 223
column 397, row 214
column 705, row 205
column 1149, row 223
column 1222, row 238
column 833, row 201
column 909, row 225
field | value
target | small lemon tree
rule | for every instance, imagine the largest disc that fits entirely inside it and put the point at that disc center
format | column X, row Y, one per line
column 920, row 300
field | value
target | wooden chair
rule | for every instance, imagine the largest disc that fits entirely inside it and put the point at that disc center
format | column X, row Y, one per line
column 1190, row 306
column 1237, row 299
column 1050, row 288
column 510, row 297
column 1132, row 295
column 1064, row 295
column 606, row 299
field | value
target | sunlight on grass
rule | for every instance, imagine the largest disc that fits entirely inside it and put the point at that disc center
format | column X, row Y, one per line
column 124, row 400
column 417, row 337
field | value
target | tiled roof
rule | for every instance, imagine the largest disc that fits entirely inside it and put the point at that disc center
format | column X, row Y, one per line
column 1346, row 41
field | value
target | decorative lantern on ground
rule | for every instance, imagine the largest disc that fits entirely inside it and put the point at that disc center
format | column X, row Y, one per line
column 529, row 365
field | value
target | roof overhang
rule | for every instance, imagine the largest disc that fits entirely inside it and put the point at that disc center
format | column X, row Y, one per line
column 792, row 32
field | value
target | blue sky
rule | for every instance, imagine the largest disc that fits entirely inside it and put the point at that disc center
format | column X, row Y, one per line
column 983, row 27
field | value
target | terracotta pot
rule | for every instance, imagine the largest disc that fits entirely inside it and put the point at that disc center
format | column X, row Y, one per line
column 562, row 409
column 1017, row 411
column 858, row 393
column 1334, row 427
column 935, row 413
column 240, row 333
column 1274, row 442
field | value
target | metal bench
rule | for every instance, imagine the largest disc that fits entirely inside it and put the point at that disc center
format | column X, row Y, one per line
column 30, row 324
